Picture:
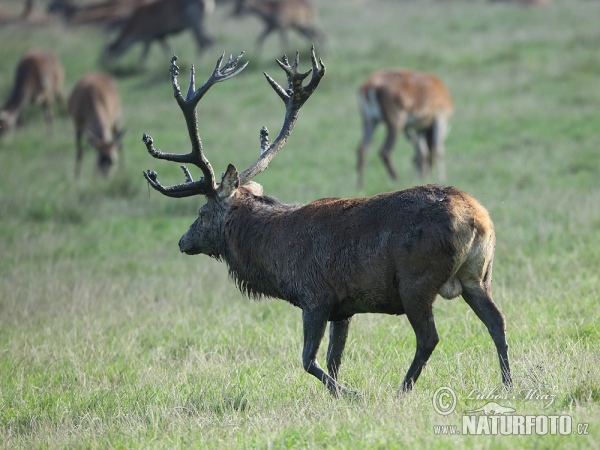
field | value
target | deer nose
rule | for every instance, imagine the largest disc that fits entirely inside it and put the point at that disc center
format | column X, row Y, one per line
column 183, row 246
column 187, row 246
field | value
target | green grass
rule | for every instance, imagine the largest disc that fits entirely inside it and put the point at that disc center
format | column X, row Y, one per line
column 110, row 338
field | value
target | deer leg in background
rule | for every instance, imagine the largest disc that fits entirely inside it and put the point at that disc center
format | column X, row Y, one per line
column 480, row 301
column 338, row 333
column 260, row 40
column 314, row 323
column 422, row 158
column 313, row 34
column 202, row 40
column 79, row 155
column 436, row 137
column 369, row 125
column 420, row 315
column 48, row 113
column 388, row 145
column 146, row 49
column 165, row 45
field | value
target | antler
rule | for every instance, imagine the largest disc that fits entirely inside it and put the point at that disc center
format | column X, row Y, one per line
column 207, row 184
column 293, row 97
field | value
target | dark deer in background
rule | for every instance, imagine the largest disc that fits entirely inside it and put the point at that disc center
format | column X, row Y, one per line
column 282, row 15
column 39, row 79
column 107, row 12
column 157, row 20
column 95, row 107
column 415, row 103
column 392, row 253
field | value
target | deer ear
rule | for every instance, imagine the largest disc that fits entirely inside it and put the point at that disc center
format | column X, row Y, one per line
column 230, row 182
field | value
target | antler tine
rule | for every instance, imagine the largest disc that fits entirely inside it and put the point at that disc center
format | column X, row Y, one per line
column 229, row 70
column 293, row 97
column 207, row 184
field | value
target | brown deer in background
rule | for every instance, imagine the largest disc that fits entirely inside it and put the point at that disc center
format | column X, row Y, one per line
column 157, row 20
column 415, row 103
column 281, row 15
column 39, row 79
column 333, row 258
column 95, row 108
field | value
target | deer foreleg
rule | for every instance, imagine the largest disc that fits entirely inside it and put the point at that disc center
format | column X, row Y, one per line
column 338, row 333
column 314, row 323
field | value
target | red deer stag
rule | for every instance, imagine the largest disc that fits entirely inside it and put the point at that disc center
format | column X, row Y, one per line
column 416, row 103
column 95, row 108
column 392, row 253
column 157, row 20
column 281, row 15
column 39, row 79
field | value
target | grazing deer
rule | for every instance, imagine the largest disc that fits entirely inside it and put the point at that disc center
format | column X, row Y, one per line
column 416, row 103
column 392, row 253
column 281, row 15
column 39, row 79
column 95, row 108
column 157, row 20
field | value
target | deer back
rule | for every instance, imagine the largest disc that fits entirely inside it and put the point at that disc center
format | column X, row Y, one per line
column 393, row 92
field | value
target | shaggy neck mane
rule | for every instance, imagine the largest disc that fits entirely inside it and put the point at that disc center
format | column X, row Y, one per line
column 251, row 250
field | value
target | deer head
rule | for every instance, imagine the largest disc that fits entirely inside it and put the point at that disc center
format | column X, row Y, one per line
column 206, row 235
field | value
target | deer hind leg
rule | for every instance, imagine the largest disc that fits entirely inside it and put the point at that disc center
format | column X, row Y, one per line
column 420, row 316
column 479, row 298
column 314, row 323
column 338, row 333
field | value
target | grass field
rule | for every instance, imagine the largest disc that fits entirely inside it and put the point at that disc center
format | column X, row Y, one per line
column 110, row 338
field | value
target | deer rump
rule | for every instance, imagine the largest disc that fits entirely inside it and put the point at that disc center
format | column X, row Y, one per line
column 359, row 255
